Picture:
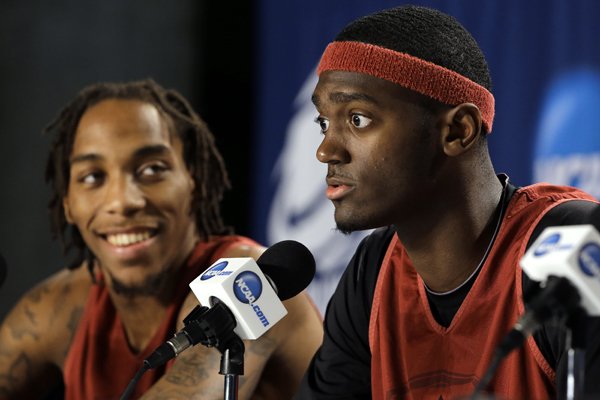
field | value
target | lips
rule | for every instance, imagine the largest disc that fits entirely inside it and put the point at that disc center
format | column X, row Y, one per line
column 127, row 239
column 124, row 238
column 337, row 188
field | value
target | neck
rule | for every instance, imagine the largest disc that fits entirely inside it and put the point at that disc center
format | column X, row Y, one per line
column 142, row 311
column 449, row 244
column 141, row 317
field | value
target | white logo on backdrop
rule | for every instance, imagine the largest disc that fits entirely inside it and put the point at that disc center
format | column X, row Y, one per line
column 580, row 170
column 300, row 211
column 567, row 142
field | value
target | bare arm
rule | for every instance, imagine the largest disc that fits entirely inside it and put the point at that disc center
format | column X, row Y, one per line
column 34, row 338
column 273, row 364
column 299, row 335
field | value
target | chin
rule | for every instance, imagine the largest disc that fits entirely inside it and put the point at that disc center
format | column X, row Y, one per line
column 349, row 225
column 148, row 285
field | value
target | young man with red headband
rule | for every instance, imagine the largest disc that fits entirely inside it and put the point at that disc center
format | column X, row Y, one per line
column 405, row 106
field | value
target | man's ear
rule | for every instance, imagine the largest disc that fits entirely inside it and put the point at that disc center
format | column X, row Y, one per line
column 192, row 181
column 463, row 126
column 67, row 210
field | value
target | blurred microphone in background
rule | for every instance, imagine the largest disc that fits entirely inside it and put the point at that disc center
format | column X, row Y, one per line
column 3, row 270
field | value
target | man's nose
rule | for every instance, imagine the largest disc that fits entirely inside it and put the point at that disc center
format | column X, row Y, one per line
column 332, row 149
column 123, row 195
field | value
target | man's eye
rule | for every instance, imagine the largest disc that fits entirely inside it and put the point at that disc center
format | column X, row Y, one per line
column 92, row 178
column 323, row 123
column 151, row 170
column 360, row 121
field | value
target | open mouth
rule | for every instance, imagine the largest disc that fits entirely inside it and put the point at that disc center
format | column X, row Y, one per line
column 336, row 192
column 128, row 239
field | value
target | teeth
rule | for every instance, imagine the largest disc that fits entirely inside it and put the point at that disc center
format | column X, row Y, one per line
column 127, row 239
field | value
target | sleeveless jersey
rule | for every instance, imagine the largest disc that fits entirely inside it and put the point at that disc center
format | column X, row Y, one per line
column 413, row 357
column 100, row 362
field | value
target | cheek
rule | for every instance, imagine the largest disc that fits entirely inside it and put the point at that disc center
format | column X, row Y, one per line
column 176, row 196
column 382, row 161
column 77, row 208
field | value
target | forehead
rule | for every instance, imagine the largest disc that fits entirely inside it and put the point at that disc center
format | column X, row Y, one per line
column 345, row 86
column 120, row 122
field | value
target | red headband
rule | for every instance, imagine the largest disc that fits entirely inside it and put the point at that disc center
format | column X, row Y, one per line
column 411, row 72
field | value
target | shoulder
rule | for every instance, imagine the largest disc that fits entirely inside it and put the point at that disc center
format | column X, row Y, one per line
column 233, row 246
column 240, row 246
column 40, row 325
column 547, row 190
column 572, row 212
column 50, row 312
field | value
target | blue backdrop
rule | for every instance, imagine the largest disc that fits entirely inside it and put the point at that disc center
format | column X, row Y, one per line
column 544, row 59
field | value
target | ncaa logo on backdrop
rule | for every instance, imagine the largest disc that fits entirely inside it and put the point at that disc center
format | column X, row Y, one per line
column 215, row 270
column 589, row 259
column 551, row 243
column 567, row 146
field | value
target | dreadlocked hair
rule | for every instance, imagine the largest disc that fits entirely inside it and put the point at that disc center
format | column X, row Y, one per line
column 201, row 156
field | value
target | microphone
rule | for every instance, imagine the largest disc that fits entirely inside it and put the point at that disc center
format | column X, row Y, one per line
column 565, row 261
column 244, row 295
column 3, row 270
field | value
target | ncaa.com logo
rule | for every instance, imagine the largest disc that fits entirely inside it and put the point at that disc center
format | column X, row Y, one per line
column 247, row 288
column 551, row 243
column 215, row 270
column 589, row 259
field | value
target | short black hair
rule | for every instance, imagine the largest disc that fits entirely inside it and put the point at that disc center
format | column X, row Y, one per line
column 424, row 33
column 201, row 156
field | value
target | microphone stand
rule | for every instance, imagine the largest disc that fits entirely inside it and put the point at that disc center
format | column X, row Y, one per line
column 575, row 347
column 213, row 327
column 560, row 298
column 228, row 343
column 232, row 365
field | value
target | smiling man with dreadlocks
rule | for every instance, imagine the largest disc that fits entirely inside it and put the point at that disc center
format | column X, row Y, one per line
column 405, row 106
column 137, row 184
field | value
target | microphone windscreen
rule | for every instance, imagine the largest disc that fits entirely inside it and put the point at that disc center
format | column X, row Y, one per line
column 3, row 269
column 290, row 265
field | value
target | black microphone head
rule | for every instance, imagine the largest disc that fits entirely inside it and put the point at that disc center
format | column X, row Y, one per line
column 3, row 269
column 290, row 265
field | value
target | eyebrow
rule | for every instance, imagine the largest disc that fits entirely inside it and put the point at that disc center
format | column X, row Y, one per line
column 345, row 97
column 142, row 152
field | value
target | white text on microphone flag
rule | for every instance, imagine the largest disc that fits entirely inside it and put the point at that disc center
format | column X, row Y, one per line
column 242, row 286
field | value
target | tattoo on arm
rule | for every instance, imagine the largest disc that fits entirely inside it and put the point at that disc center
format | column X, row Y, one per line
column 36, row 294
column 72, row 325
column 60, row 300
column 169, row 394
column 18, row 372
column 20, row 332
column 192, row 369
